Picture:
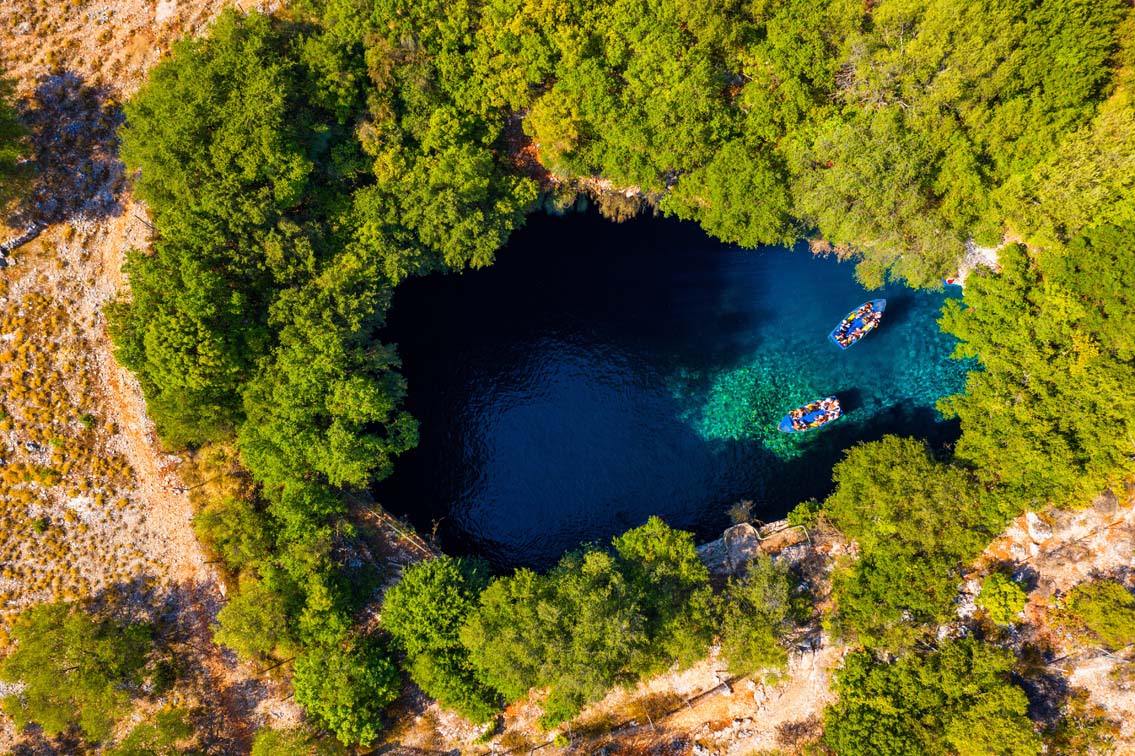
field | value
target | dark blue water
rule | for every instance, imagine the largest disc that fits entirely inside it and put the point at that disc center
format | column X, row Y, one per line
column 598, row 374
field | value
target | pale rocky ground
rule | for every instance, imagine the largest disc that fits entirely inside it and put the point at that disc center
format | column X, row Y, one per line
column 1057, row 550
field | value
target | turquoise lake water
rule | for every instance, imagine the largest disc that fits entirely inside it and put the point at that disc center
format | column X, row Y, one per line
column 599, row 373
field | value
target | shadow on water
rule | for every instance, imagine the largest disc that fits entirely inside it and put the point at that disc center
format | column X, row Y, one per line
column 850, row 399
column 899, row 308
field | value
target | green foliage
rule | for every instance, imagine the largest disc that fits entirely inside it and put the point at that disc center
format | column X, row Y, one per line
column 956, row 700
column 328, row 400
column 298, row 742
column 1002, row 598
column 229, row 163
column 741, row 196
column 255, row 314
column 222, row 144
column 756, row 613
column 345, row 688
column 255, row 623
column 159, row 737
column 805, row 513
column 237, row 530
column 872, row 190
column 298, row 169
column 1050, row 417
column 1107, row 610
column 917, row 521
column 505, row 635
column 13, row 176
column 1088, row 180
column 671, row 586
column 76, row 670
column 593, row 621
column 424, row 612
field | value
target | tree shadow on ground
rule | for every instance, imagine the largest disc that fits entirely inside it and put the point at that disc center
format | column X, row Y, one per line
column 73, row 138
column 181, row 616
column 1047, row 689
column 33, row 742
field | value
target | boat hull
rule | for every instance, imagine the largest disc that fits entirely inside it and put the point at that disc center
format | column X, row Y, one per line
column 854, row 327
column 812, row 415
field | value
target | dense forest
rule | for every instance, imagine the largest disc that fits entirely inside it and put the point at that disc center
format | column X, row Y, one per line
column 298, row 167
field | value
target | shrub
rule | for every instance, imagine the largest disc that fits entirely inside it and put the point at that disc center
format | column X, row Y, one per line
column 75, row 669
column 959, row 699
column 1002, row 598
column 424, row 613
column 345, row 688
column 755, row 615
column 1107, row 610
column 805, row 513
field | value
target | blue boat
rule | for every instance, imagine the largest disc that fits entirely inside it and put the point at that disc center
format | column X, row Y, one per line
column 811, row 415
column 858, row 323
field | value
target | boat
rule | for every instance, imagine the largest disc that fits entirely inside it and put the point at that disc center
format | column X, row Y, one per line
column 858, row 323
column 953, row 282
column 811, row 415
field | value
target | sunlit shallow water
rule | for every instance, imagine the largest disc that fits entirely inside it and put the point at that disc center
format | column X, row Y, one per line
column 601, row 373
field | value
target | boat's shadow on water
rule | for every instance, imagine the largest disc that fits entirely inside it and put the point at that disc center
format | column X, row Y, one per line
column 898, row 312
column 850, row 399
column 808, row 476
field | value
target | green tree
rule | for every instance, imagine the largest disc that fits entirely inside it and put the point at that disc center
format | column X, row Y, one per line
column 424, row 612
column 345, row 688
column 255, row 622
column 723, row 197
column 215, row 133
column 158, row 737
column 756, row 613
column 1049, row 418
column 573, row 630
column 76, row 670
column 1107, row 609
column 224, row 144
column 671, row 586
column 329, row 400
column 917, row 522
column 505, row 635
column 594, row 621
column 237, row 530
column 1002, row 598
column 592, row 630
column 958, row 699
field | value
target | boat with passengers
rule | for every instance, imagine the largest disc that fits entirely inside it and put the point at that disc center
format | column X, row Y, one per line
column 812, row 415
column 858, row 323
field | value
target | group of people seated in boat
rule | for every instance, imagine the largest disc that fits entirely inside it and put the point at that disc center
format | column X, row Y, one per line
column 870, row 318
column 828, row 410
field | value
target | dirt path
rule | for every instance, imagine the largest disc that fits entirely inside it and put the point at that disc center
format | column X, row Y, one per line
column 92, row 57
